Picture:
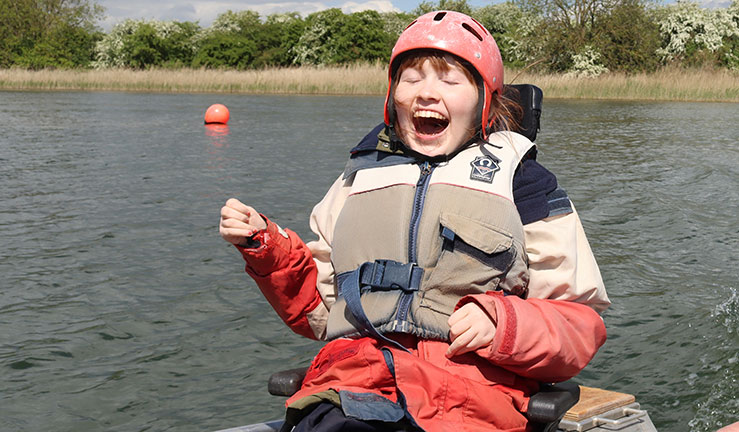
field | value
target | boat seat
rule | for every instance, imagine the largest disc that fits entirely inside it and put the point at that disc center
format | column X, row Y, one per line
column 546, row 408
column 530, row 98
column 551, row 403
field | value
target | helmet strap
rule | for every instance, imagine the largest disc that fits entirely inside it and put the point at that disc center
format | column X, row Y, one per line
column 395, row 141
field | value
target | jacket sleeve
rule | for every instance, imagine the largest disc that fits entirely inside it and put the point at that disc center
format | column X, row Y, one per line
column 553, row 334
column 283, row 269
column 561, row 263
column 546, row 340
column 297, row 278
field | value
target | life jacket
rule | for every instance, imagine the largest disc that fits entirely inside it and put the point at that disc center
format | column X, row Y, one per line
column 415, row 237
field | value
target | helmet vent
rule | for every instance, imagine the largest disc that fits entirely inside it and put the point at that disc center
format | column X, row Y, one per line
column 471, row 30
column 439, row 16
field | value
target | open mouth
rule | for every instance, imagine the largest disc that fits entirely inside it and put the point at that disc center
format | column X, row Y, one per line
column 429, row 122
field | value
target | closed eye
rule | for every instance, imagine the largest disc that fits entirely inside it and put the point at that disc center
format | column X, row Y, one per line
column 453, row 77
column 410, row 76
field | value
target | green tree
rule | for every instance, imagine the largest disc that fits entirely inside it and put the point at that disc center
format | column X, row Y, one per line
column 290, row 27
column 363, row 38
column 144, row 48
column 627, row 37
column 47, row 33
column 453, row 5
column 66, row 47
column 514, row 30
column 331, row 37
column 582, row 29
column 16, row 19
column 246, row 41
column 179, row 43
column 277, row 35
column 728, row 54
column 225, row 50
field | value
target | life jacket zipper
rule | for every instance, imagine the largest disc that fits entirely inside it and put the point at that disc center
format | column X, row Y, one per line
column 422, row 187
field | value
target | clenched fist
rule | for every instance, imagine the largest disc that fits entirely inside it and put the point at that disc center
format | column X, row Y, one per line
column 239, row 221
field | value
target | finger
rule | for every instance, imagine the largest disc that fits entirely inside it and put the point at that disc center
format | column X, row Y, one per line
column 240, row 207
column 239, row 233
column 238, row 224
column 235, row 236
column 231, row 213
column 460, row 344
column 458, row 315
column 483, row 336
column 459, row 327
column 250, row 214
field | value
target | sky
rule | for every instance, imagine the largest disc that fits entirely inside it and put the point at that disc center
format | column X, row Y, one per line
column 205, row 11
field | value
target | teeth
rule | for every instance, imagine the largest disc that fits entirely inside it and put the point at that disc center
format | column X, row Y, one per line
column 429, row 114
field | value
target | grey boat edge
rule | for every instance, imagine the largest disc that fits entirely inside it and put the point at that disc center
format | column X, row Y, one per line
column 270, row 426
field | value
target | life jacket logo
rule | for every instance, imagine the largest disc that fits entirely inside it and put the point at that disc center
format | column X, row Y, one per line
column 484, row 168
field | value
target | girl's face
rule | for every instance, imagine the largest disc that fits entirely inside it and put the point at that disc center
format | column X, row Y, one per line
column 435, row 109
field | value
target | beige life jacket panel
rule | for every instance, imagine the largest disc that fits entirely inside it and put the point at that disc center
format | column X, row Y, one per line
column 467, row 237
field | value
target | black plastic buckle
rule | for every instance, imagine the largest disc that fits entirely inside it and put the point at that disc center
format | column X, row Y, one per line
column 396, row 275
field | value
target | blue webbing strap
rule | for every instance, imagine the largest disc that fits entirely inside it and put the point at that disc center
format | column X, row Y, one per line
column 378, row 275
column 390, row 362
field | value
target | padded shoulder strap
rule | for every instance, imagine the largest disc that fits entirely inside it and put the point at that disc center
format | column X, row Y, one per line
column 537, row 194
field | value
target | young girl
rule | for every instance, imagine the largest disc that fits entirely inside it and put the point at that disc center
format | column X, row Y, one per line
column 450, row 275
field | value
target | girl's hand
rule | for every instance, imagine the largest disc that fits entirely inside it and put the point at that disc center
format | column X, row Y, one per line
column 471, row 328
column 239, row 221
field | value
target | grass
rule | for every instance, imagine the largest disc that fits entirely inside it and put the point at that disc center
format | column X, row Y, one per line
column 371, row 79
column 354, row 80
column 672, row 84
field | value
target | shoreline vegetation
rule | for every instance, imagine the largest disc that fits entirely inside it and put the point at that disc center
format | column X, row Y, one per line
column 704, row 85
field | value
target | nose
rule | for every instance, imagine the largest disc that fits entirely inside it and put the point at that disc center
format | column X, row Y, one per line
column 429, row 89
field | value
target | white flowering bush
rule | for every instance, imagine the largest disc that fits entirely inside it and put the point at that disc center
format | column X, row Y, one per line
column 312, row 47
column 523, row 41
column 109, row 50
column 395, row 23
column 236, row 22
column 586, row 63
column 514, row 30
column 730, row 48
column 685, row 28
column 317, row 45
column 119, row 47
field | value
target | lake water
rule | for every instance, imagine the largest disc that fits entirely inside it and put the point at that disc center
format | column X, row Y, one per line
column 121, row 309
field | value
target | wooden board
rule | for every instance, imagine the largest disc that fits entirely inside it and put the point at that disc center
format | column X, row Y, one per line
column 594, row 401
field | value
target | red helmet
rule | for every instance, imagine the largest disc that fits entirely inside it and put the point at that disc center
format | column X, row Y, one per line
column 458, row 34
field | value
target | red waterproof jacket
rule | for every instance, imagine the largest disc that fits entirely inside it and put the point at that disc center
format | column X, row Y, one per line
column 536, row 340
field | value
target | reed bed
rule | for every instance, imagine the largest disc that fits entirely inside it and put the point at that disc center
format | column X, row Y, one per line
column 667, row 84
column 371, row 79
column 360, row 79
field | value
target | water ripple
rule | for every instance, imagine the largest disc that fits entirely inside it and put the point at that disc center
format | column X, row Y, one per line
column 121, row 309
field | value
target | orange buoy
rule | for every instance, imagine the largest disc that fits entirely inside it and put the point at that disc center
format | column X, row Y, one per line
column 217, row 114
